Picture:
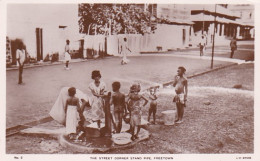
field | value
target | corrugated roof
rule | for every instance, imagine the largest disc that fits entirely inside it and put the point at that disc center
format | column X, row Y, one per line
column 201, row 17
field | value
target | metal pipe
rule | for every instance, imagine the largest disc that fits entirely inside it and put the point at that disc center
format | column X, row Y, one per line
column 213, row 45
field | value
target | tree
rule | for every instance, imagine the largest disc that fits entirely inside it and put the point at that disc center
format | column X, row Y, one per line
column 93, row 18
column 114, row 19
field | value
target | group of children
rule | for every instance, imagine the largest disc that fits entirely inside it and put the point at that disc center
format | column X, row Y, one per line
column 123, row 105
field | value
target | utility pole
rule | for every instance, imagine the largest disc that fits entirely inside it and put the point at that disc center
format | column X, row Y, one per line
column 203, row 22
column 213, row 45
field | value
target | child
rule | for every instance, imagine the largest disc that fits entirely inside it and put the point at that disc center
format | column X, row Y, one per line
column 181, row 88
column 67, row 54
column 153, row 104
column 135, row 109
column 71, row 108
column 118, row 100
column 126, row 119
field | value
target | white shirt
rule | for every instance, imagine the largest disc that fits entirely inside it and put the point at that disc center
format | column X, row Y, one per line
column 67, row 48
column 20, row 54
column 203, row 41
column 124, row 46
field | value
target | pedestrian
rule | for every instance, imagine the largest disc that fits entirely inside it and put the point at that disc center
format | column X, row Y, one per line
column 233, row 46
column 71, row 109
column 97, row 89
column 20, row 57
column 67, row 55
column 153, row 104
column 118, row 101
column 180, row 83
column 202, row 45
column 135, row 106
column 124, row 48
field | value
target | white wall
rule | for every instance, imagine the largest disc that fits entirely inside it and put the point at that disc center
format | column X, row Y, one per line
column 170, row 36
column 23, row 19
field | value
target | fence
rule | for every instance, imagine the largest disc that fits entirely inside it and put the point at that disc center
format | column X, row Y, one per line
column 166, row 37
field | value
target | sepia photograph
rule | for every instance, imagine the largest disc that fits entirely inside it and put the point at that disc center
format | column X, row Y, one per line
column 136, row 78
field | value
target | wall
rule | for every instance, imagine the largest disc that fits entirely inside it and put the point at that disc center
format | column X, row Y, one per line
column 23, row 19
column 171, row 36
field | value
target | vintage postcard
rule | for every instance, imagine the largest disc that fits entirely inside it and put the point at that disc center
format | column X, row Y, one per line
column 129, row 80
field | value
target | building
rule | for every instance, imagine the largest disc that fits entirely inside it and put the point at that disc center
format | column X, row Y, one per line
column 246, row 18
column 174, row 27
column 43, row 28
column 228, row 23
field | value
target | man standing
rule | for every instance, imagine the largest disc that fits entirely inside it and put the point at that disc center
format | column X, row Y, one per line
column 202, row 45
column 20, row 57
column 233, row 46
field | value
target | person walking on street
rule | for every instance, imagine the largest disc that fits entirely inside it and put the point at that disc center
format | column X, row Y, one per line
column 67, row 54
column 20, row 57
column 233, row 46
column 202, row 45
column 124, row 49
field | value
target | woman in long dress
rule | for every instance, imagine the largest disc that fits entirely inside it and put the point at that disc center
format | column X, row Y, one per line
column 124, row 49
column 97, row 88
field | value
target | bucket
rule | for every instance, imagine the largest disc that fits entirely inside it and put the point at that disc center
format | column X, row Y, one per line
column 169, row 117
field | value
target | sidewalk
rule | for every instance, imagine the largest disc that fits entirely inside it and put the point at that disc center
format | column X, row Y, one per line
column 40, row 64
column 188, row 51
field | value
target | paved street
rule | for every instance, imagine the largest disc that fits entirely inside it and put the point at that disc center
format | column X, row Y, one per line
column 245, row 51
column 34, row 100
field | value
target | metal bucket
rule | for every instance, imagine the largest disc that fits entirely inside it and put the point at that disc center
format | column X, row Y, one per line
column 169, row 117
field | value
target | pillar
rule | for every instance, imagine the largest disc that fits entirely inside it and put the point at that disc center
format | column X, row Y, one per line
column 223, row 29
column 238, row 31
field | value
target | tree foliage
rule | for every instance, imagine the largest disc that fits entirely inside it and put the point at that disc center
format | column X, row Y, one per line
column 116, row 18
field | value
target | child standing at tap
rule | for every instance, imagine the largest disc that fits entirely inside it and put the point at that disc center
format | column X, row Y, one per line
column 135, row 106
column 153, row 104
column 71, row 109
column 181, row 89
column 118, row 100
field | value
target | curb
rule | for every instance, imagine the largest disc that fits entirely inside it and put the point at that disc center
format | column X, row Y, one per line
column 42, row 65
column 14, row 130
column 57, row 63
column 205, row 72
